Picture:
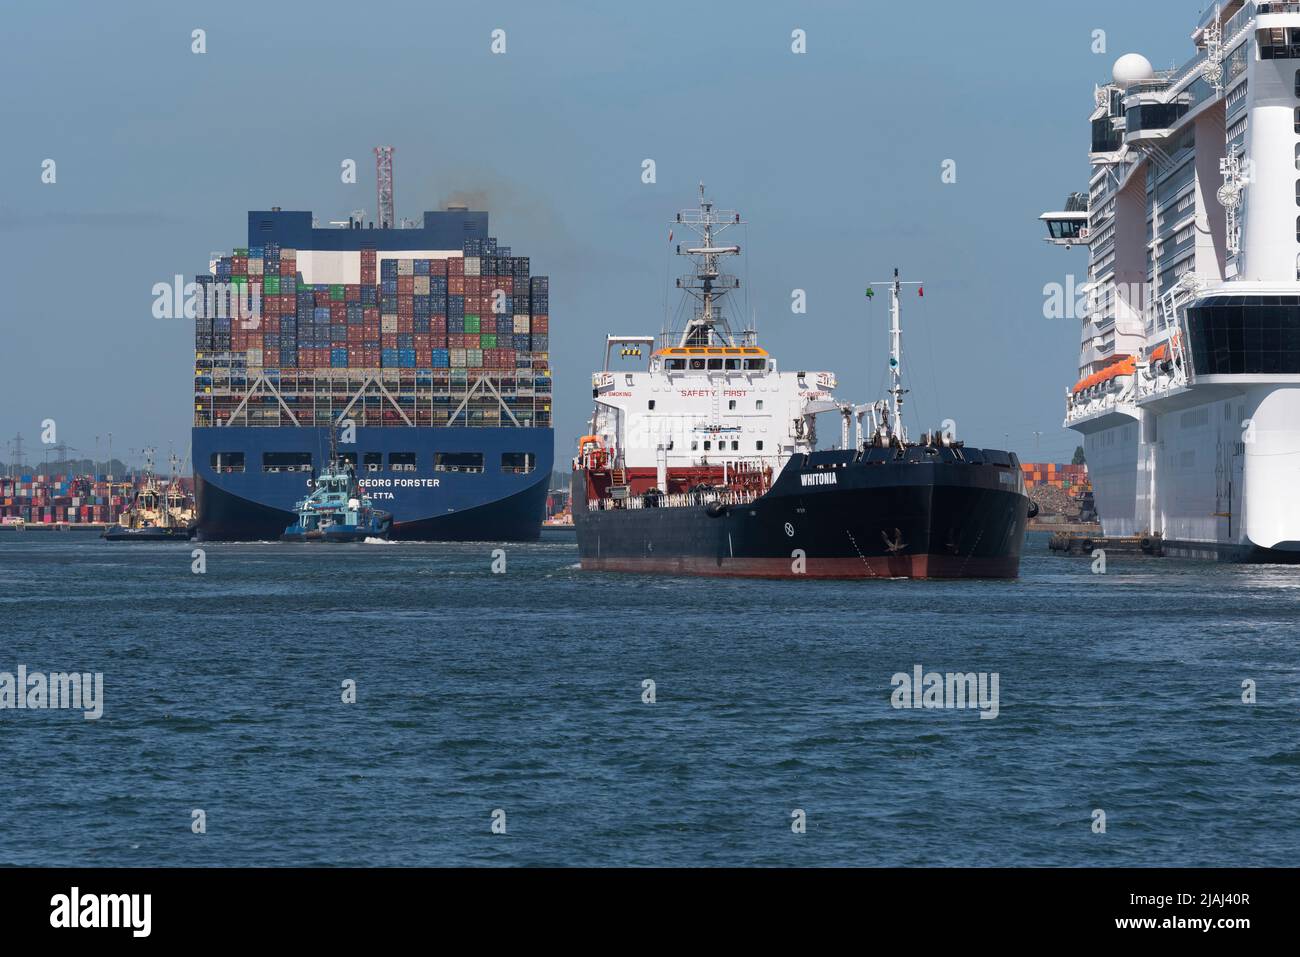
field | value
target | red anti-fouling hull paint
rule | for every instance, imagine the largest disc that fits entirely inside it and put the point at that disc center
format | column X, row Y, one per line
column 911, row 566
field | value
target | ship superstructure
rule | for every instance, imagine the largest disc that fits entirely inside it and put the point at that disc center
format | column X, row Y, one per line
column 709, row 401
column 1188, row 395
column 422, row 350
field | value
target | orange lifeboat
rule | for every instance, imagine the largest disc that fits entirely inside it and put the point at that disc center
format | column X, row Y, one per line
column 591, row 452
column 1125, row 365
column 1163, row 351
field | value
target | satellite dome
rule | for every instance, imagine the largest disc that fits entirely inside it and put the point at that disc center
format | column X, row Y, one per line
column 1130, row 68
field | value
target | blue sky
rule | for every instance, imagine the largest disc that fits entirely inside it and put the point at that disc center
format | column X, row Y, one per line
column 834, row 157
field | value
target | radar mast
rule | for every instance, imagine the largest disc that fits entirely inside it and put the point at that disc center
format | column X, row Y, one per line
column 706, row 282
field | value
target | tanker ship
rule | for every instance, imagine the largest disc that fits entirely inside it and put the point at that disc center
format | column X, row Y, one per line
column 423, row 348
column 705, row 461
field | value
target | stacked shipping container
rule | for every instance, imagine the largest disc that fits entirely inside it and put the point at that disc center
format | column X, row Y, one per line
column 427, row 329
column 51, row 499
column 1070, row 478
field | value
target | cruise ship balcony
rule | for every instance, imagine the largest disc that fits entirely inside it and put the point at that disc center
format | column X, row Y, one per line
column 1148, row 119
column 1280, row 42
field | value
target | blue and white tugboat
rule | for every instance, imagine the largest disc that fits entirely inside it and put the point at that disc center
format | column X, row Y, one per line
column 337, row 509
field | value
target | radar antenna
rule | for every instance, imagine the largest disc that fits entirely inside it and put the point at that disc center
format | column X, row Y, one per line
column 707, row 283
column 1229, row 195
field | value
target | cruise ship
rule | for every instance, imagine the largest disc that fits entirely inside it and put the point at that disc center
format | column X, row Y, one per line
column 1188, row 395
column 420, row 349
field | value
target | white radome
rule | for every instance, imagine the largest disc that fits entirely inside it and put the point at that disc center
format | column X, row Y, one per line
column 1131, row 68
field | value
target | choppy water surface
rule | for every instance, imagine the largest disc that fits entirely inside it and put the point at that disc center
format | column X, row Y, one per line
column 523, row 692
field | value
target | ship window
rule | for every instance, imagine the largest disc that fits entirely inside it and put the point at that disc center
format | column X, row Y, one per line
column 1297, row 119
column 520, row 463
column 1297, row 192
column 1244, row 335
column 458, row 462
column 1278, row 43
column 373, row 461
column 348, row 458
column 699, row 363
column 227, row 461
column 1297, row 82
column 286, row 461
column 652, row 403
column 401, row 461
column 676, row 365
column 759, row 445
column 735, row 445
column 707, row 445
column 755, row 365
column 715, row 363
column 733, row 363
column 731, row 404
column 759, row 405
column 695, row 445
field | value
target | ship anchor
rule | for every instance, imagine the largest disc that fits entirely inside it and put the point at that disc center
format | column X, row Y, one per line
column 895, row 546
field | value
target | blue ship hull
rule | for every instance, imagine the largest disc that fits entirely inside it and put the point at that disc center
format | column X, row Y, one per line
column 426, row 504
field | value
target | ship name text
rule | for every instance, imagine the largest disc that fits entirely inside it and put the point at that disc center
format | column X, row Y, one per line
column 819, row 478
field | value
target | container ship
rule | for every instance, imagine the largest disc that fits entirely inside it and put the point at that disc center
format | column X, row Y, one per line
column 705, row 462
column 423, row 348
column 1188, row 389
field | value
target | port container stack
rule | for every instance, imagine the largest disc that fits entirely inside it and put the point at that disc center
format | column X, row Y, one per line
column 414, row 343
column 1069, row 478
column 37, row 499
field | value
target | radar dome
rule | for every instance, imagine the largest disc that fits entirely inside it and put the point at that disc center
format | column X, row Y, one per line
column 1131, row 68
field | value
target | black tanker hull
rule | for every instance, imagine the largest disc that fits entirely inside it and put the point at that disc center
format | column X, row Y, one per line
column 896, row 519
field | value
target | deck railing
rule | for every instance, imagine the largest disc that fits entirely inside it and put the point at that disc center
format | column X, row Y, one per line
column 676, row 500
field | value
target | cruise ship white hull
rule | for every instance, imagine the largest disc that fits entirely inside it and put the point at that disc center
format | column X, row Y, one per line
column 1210, row 486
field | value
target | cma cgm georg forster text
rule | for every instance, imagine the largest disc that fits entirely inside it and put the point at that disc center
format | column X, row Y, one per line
column 424, row 347
column 1188, row 396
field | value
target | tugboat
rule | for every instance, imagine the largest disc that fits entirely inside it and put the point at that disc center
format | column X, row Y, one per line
column 337, row 509
column 706, row 462
column 159, row 511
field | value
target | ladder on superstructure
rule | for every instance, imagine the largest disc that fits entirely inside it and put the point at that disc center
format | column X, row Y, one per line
column 1169, row 314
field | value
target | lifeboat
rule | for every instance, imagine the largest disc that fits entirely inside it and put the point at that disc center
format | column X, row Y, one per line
column 1163, row 351
column 1125, row 365
column 591, row 452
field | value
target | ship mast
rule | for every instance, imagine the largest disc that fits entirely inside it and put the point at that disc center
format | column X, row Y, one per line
column 891, row 426
column 707, row 283
column 896, row 357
